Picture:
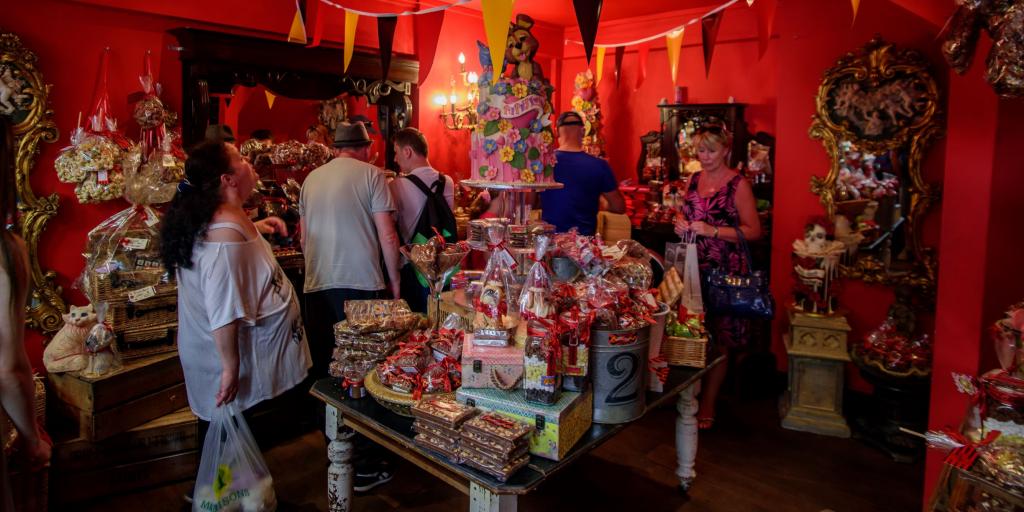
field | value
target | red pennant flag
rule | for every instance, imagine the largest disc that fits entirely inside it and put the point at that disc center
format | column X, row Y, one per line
column 427, row 28
column 386, row 37
column 709, row 34
column 315, row 18
column 620, row 52
column 765, row 23
column 641, row 69
column 588, row 14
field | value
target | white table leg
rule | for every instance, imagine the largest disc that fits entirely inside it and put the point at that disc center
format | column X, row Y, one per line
column 686, row 435
column 340, row 472
column 482, row 499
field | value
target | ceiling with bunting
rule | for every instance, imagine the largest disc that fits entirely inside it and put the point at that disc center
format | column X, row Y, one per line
column 560, row 12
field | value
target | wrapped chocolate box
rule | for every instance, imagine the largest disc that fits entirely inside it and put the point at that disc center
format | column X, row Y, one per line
column 448, row 413
column 500, row 473
column 498, row 427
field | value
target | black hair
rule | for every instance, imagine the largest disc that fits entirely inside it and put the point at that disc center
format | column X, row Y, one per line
column 194, row 204
column 261, row 134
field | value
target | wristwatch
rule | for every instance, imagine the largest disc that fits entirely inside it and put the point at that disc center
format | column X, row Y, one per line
column 715, row 235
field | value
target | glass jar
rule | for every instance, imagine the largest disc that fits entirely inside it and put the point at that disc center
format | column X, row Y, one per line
column 542, row 380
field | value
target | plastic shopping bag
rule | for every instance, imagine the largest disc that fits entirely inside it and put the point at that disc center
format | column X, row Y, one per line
column 232, row 474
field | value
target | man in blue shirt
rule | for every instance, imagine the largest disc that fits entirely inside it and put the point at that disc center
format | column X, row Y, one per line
column 586, row 179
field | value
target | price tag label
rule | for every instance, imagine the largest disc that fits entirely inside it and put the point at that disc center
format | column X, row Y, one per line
column 141, row 294
column 135, row 244
column 152, row 220
column 168, row 160
column 103, row 178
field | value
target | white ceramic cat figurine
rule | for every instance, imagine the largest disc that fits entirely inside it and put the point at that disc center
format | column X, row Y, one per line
column 66, row 353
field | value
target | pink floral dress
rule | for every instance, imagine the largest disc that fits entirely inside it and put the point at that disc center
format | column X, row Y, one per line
column 718, row 210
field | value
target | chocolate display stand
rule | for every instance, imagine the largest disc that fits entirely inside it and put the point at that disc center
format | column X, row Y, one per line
column 519, row 192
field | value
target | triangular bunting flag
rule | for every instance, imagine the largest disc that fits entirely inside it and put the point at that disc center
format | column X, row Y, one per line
column 750, row 3
column 386, row 38
column 497, row 14
column 641, row 64
column 600, row 64
column 709, row 34
column 673, row 43
column 588, row 13
column 856, row 5
column 270, row 99
column 315, row 17
column 765, row 24
column 297, row 34
column 620, row 52
column 427, row 28
column 351, row 21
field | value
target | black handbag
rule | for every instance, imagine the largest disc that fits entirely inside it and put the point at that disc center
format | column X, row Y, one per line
column 739, row 295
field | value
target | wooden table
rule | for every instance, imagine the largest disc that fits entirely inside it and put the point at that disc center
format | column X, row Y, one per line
column 395, row 433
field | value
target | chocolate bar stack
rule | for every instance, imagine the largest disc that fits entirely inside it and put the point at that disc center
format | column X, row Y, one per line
column 437, row 425
column 494, row 444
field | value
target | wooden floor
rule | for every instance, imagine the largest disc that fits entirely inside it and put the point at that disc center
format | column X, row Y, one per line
column 747, row 463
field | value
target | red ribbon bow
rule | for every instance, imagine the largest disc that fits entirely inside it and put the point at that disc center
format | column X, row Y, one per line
column 499, row 421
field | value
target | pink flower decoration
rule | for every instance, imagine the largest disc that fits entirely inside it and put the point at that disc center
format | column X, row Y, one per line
column 492, row 114
column 513, row 136
column 491, row 173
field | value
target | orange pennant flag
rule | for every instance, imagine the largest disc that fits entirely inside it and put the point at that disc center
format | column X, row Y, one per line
column 750, row 3
column 856, row 5
column 270, row 100
column 600, row 64
column 497, row 14
column 351, row 20
column 673, row 43
column 297, row 34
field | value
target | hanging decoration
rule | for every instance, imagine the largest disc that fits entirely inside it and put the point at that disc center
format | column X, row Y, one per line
column 709, row 26
column 641, row 70
column 427, row 29
column 351, row 21
column 496, row 25
column 586, row 104
column 297, row 34
column 750, row 3
column 765, row 23
column 386, row 39
column 620, row 52
column 315, row 19
column 673, row 43
column 270, row 99
column 148, row 111
column 588, row 13
column 600, row 63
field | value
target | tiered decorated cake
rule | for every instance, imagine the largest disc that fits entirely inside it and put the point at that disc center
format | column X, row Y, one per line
column 512, row 142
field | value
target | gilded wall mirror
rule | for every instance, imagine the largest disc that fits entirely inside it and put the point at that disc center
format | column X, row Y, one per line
column 877, row 112
column 23, row 98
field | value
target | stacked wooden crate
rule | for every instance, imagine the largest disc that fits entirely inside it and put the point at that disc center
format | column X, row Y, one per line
column 124, row 431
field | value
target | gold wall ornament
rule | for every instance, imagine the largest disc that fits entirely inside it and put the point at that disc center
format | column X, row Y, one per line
column 24, row 98
column 881, row 101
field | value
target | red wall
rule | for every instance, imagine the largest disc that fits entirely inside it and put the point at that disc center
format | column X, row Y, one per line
column 630, row 112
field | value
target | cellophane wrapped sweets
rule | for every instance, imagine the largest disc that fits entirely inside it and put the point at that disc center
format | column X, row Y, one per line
column 496, row 315
column 101, row 347
column 535, row 300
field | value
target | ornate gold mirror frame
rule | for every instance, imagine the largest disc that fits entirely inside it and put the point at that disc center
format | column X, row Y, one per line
column 882, row 99
column 24, row 98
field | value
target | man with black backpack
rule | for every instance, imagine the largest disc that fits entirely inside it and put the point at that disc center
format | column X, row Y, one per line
column 425, row 200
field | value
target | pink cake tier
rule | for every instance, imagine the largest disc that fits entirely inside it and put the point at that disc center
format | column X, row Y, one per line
column 512, row 143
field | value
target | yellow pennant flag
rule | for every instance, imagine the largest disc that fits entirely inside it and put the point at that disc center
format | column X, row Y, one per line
column 270, row 100
column 673, row 43
column 750, row 3
column 600, row 63
column 351, row 20
column 297, row 34
column 497, row 14
column 856, row 5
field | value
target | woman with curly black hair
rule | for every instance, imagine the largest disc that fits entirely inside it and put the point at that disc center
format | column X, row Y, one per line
column 240, row 333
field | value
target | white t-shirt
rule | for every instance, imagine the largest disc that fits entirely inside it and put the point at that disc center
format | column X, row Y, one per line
column 232, row 281
column 340, row 243
column 410, row 200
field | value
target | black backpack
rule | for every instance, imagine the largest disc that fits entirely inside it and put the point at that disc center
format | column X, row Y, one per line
column 436, row 213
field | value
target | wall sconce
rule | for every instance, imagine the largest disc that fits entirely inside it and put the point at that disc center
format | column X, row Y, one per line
column 456, row 115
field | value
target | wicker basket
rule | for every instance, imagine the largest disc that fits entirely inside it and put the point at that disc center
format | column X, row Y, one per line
column 113, row 289
column 692, row 352
column 147, row 342
column 395, row 401
column 134, row 318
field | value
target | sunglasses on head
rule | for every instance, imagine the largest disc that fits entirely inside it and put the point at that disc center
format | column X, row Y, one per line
column 715, row 129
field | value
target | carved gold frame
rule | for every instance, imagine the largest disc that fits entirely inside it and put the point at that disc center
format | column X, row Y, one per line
column 874, row 64
column 45, row 305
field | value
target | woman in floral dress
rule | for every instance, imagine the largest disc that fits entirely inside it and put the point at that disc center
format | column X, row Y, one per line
column 718, row 203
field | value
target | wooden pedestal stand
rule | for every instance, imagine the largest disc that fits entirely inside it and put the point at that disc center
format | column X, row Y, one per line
column 817, row 359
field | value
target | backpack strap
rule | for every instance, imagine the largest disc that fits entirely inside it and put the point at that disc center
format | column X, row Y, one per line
column 419, row 183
